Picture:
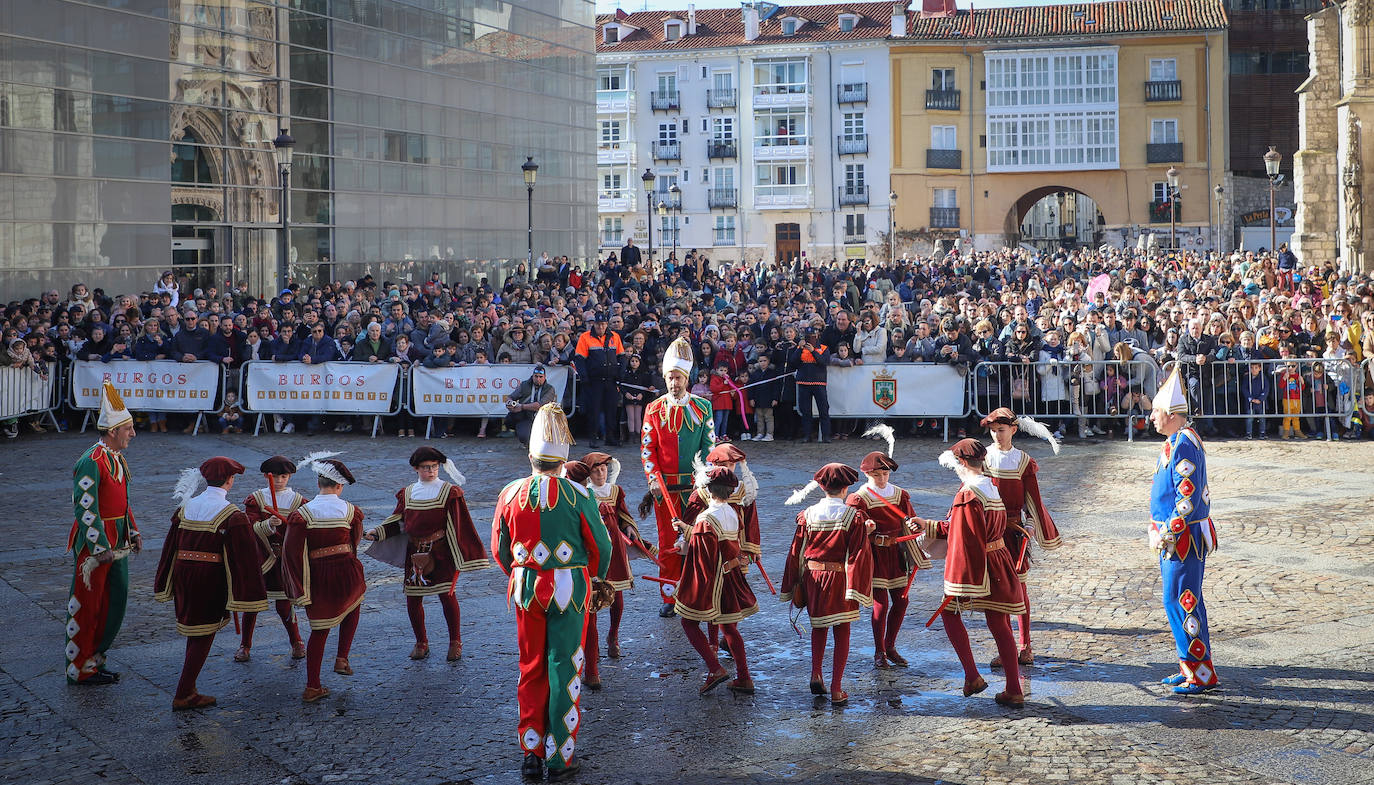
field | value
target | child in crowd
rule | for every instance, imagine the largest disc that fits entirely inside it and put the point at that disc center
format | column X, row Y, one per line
column 1290, row 385
column 1254, row 391
column 229, row 418
column 1363, row 425
column 764, row 395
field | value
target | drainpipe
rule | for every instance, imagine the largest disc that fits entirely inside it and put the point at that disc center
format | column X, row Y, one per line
column 1207, row 111
column 971, row 148
column 830, row 128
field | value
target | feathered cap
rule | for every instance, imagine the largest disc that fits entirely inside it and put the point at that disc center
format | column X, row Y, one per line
column 577, row 471
column 964, row 449
column 887, row 434
column 427, row 454
column 678, row 357
column 323, row 464
column 1171, row 397
column 277, row 464
column 550, row 437
column 719, row 476
column 218, row 469
column 725, row 452
column 877, row 461
column 1000, row 416
column 112, row 411
column 1028, row 425
column 835, row 475
column 595, row 459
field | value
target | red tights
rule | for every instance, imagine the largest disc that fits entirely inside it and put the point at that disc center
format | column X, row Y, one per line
column 733, row 640
column 415, row 608
column 288, row 620
column 889, row 609
column 591, row 644
column 197, row 650
column 314, row 649
column 1023, row 621
column 841, row 656
column 999, row 624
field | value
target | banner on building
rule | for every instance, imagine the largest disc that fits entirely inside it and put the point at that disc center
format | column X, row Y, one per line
column 328, row 388
column 897, row 390
column 148, row 385
column 476, row 390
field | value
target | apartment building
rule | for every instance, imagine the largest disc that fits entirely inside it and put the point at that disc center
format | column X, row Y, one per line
column 758, row 133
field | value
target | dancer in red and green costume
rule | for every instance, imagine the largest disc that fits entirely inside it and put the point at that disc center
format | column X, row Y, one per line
column 103, row 535
column 548, row 537
column 678, row 429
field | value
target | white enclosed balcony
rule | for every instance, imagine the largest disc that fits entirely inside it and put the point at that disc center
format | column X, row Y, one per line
column 609, row 153
column 622, row 201
column 781, row 196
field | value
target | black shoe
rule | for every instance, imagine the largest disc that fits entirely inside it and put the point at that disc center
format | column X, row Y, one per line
column 565, row 773
column 111, row 674
column 97, row 679
column 533, row 767
column 668, row 611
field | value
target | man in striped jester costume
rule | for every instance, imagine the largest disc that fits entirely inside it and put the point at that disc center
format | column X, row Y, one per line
column 102, row 536
column 548, row 537
column 678, row 429
column 1181, row 530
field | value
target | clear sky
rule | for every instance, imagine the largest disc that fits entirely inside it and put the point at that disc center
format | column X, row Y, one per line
column 607, row 6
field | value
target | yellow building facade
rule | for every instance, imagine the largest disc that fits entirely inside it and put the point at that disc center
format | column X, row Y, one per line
column 999, row 108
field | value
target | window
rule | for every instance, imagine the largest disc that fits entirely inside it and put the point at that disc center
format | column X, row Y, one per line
column 612, row 184
column 611, row 134
column 854, row 226
column 847, row 22
column 1068, row 79
column 667, row 133
column 608, row 79
column 667, row 83
column 1050, row 110
column 944, row 197
column 854, row 178
column 725, row 230
column 1163, row 69
column 722, row 80
column 789, row 27
column 723, row 177
column 780, row 77
column 611, row 34
column 669, row 228
column 942, row 79
column 853, row 124
column 612, row 231
column 672, row 31
column 189, row 162
column 942, row 137
column 1161, row 192
column 1163, row 131
column 1035, row 81
column 1247, row 63
column 780, row 175
column 666, row 183
column 780, row 127
column 722, row 129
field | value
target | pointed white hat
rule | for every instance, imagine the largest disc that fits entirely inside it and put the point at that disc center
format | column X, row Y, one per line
column 550, row 436
column 678, row 358
column 1171, row 396
column 112, row 411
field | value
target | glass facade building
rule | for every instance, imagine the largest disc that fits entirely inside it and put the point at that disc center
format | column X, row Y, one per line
column 136, row 136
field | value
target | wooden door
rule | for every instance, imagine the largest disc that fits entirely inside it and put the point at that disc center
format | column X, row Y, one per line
column 787, row 241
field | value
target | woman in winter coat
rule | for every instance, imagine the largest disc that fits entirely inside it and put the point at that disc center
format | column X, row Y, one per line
column 870, row 342
column 1054, row 377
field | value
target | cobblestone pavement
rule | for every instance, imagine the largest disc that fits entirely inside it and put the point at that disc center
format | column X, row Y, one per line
column 1290, row 595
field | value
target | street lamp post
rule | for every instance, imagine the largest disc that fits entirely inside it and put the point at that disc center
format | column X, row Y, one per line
column 530, row 170
column 677, row 216
column 1172, row 177
column 648, row 179
column 1220, row 194
column 891, row 227
column 663, row 220
column 283, row 145
column 1271, row 168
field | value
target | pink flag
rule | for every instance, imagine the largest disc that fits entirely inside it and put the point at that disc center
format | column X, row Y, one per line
column 1098, row 284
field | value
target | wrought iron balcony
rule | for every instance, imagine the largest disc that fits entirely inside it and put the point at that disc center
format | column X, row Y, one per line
column 942, row 100
column 853, row 194
column 667, row 151
column 944, row 159
column 666, row 100
column 1164, row 153
column 670, row 200
column 721, row 148
column 722, row 98
column 944, row 218
column 1170, row 90
column 722, row 198
column 852, row 144
column 852, row 93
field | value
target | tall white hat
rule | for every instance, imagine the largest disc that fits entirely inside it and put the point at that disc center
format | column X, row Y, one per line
column 112, row 411
column 1171, row 396
column 678, row 358
column 550, row 436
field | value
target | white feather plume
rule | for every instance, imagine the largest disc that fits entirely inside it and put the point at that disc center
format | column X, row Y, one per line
column 748, row 481
column 1038, row 430
column 699, row 478
column 317, row 456
column 615, row 471
column 801, row 493
column 187, row 484
column 451, row 469
column 888, row 434
column 948, row 461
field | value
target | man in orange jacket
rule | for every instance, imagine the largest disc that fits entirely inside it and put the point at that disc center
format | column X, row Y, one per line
column 599, row 353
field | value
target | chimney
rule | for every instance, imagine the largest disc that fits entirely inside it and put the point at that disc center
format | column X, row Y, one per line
column 751, row 23
column 935, row 9
column 898, row 19
column 691, row 20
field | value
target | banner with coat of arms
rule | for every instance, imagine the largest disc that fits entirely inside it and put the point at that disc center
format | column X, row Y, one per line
column 897, row 390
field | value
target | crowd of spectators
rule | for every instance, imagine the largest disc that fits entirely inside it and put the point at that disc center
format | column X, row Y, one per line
column 1020, row 324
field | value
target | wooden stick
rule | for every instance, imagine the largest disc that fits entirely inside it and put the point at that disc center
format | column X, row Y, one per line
column 759, row 563
column 939, row 610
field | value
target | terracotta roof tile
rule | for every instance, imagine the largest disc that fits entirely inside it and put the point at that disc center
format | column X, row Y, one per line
column 1076, row 19
column 724, row 27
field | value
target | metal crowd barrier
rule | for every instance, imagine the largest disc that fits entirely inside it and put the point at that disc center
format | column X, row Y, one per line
column 246, row 405
column 1313, row 394
column 135, row 403
column 567, row 398
column 24, row 393
column 1068, row 394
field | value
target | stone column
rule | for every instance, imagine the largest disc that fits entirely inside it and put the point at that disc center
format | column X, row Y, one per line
column 1315, row 165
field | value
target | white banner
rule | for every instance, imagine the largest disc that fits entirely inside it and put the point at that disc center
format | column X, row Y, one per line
column 475, row 390
column 335, row 388
column 24, row 392
column 148, row 385
column 897, row 390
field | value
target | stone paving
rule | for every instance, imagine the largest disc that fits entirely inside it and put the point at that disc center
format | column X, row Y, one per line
column 1289, row 595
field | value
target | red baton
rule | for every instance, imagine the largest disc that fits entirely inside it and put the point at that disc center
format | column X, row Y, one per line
column 939, row 610
column 664, row 581
column 1021, row 557
column 759, row 563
